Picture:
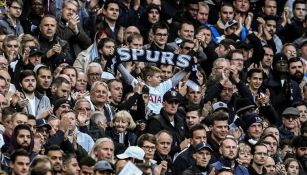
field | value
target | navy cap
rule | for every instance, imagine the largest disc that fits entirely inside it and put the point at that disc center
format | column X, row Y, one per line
column 250, row 119
column 202, row 145
column 171, row 95
column 35, row 51
column 104, row 165
column 59, row 102
column 41, row 123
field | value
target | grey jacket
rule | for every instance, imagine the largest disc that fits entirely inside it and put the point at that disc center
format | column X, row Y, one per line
column 41, row 104
column 9, row 28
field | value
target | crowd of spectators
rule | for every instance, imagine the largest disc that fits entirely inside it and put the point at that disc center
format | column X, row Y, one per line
column 154, row 87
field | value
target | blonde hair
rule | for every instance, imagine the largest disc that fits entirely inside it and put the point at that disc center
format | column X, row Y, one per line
column 124, row 115
column 244, row 147
column 27, row 38
column 97, row 146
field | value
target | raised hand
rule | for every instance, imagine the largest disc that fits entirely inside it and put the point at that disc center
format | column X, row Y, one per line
column 73, row 24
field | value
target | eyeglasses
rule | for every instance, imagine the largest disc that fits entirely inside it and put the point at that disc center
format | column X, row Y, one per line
column 261, row 154
column 161, row 34
column 149, row 148
column 10, row 46
column 16, row 8
column 291, row 117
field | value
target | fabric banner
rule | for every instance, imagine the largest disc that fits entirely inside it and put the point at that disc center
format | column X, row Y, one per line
column 168, row 58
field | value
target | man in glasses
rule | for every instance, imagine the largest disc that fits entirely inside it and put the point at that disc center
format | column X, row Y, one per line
column 10, row 21
column 169, row 120
column 290, row 123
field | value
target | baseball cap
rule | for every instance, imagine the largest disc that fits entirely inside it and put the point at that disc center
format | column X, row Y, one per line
column 202, row 145
column 132, row 152
column 219, row 105
column 41, row 123
column 171, row 95
column 35, row 51
column 230, row 23
column 104, row 165
column 59, row 102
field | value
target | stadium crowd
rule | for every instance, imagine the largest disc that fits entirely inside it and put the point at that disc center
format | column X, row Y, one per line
column 153, row 87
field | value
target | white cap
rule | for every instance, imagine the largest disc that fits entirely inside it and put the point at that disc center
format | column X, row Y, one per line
column 219, row 105
column 107, row 76
column 132, row 152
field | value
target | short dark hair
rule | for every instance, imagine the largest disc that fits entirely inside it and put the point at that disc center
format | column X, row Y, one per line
column 26, row 73
column 194, row 107
column 9, row 3
column 18, row 152
column 196, row 128
column 254, row 70
column 87, row 161
column 53, row 148
column 219, row 116
column 21, row 127
column 146, row 137
column 103, row 41
column 298, row 2
column 159, row 25
column 67, row 158
column 106, row 4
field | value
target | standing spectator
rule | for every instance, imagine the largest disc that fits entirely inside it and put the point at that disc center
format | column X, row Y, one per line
column 56, row 50
column 295, row 24
column 10, row 21
column 70, row 29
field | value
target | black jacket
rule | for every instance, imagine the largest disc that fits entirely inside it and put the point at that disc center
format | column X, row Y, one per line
column 161, row 122
column 282, row 96
column 184, row 160
column 55, row 60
